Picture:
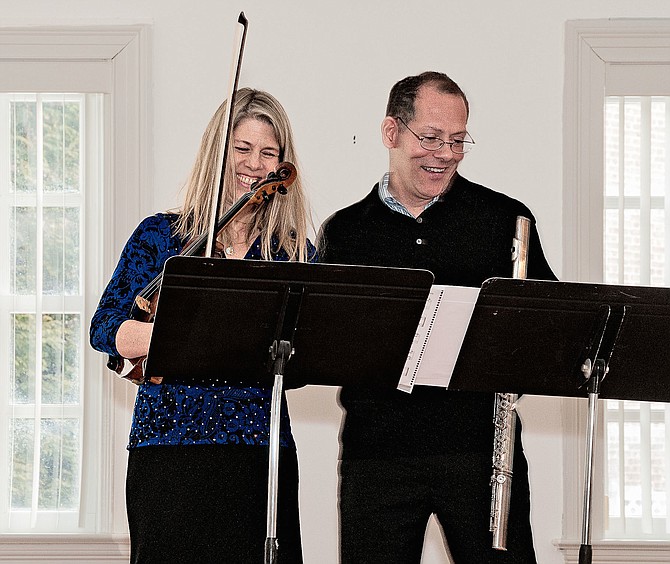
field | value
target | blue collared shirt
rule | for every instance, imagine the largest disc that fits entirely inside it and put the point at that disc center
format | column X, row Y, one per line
column 394, row 204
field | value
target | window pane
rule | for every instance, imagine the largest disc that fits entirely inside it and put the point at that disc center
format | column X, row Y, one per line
column 631, row 247
column 22, row 368
column 21, row 447
column 23, row 250
column 61, row 251
column 658, row 470
column 633, row 490
column 23, row 146
column 60, row 358
column 631, row 141
column 59, row 464
column 611, row 246
column 659, row 145
column 613, row 474
column 657, row 252
column 612, row 144
column 61, row 146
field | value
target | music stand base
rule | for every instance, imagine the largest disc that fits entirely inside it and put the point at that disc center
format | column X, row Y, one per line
column 585, row 554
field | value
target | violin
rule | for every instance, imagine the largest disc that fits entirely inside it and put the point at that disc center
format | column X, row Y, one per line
column 144, row 306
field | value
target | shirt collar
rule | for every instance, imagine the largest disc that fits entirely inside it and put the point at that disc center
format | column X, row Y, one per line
column 394, row 204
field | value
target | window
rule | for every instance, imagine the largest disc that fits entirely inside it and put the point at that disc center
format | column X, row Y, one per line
column 47, row 240
column 63, row 417
column 637, row 186
column 616, row 188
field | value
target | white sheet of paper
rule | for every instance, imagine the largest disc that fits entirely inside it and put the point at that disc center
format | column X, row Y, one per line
column 439, row 337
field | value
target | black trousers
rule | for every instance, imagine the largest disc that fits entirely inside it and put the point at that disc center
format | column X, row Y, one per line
column 208, row 504
column 385, row 505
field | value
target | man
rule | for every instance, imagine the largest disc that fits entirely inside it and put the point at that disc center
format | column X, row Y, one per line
column 407, row 456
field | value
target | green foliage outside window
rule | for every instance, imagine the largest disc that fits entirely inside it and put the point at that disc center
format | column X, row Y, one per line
column 44, row 233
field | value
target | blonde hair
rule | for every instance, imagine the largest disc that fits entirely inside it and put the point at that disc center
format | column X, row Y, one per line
column 286, row 217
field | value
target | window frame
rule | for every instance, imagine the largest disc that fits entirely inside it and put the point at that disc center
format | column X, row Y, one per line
column 89, row 238
column 593, row 49
column 79, row 59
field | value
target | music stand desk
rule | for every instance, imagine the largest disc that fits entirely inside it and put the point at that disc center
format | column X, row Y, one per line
column 221, row 321
column 571, row 340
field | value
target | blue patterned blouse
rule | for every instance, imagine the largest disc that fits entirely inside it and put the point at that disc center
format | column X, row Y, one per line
column 179, row 414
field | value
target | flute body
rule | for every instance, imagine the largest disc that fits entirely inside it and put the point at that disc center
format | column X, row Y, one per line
column 504, row 418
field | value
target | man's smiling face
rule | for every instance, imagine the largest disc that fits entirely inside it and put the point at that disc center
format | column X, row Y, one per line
column 416, row 174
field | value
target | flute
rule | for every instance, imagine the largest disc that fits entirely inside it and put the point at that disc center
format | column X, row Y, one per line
column 504, row 417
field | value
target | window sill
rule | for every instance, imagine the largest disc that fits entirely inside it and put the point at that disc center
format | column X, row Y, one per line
column 64, row 548
column 615, row 552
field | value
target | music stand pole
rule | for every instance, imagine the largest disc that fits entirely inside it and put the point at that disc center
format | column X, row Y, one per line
column 279, row 353
column 594, row 375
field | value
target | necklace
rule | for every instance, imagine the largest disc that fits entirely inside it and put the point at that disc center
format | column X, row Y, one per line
column 241, row 244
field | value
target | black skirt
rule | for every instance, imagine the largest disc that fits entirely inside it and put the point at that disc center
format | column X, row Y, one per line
column 202, row 503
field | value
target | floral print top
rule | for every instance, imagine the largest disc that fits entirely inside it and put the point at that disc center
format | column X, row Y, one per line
column 172, row 413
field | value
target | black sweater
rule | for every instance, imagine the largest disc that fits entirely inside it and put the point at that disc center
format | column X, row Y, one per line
column 463, row 239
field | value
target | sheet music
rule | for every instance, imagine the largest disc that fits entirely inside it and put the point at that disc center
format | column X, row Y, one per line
column 439, row 337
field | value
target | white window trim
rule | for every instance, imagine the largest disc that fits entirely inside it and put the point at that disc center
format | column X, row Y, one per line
column 127, row 199
column 618, row 552
column 591, row 46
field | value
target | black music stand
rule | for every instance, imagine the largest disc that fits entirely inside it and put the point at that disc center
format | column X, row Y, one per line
column 568, row 339
column 338, row 325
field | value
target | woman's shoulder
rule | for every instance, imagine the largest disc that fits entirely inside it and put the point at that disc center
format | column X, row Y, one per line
column 163, row 221
column 157, row 232
column 162, row 225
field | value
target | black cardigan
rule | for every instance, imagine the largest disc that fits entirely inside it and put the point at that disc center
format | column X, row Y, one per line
column 463, row 239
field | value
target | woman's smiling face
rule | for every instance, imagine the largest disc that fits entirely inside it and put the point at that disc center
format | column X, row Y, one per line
column 256, row 153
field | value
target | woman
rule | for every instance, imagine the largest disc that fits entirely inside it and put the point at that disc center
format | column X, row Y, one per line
column 196, row 485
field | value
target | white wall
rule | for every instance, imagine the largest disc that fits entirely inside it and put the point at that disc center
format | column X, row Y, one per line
column 332, row 64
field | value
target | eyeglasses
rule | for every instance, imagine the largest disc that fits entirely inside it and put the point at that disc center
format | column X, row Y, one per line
column 458, row 146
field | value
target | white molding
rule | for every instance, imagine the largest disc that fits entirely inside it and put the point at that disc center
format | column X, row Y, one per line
column 582, row 229
column 69, row 43
column 616, row 552
column 88, row 75
column 64, row 549
column 131, row 198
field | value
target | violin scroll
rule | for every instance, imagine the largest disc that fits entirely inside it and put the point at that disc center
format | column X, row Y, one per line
column 278, row 181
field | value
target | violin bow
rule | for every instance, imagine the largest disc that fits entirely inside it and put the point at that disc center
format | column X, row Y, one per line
column 215, row 204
